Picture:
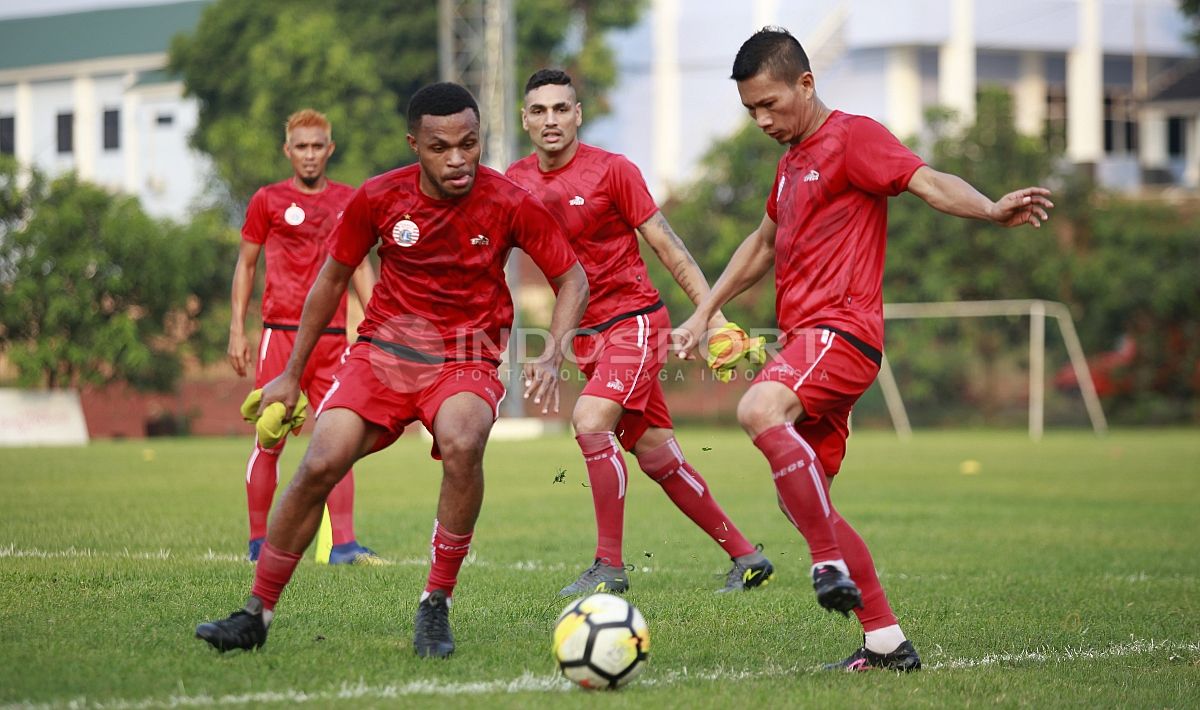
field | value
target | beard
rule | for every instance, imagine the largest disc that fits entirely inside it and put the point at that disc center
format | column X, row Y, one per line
column 310, row 181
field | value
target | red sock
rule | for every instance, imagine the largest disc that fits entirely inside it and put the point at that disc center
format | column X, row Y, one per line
column 875, row 613
column 341, row 509
column 447, row 551
column 685, row 487
column 607, row 477
column 801, row 484
column 262, row 475
column 272, row 573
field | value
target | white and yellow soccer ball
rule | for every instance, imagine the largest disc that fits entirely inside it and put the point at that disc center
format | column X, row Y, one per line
column 601, row 641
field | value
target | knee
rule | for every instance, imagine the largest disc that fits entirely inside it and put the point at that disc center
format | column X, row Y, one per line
column 590, row 420
column 462, row 448
column 319, row 471
column 753, row 414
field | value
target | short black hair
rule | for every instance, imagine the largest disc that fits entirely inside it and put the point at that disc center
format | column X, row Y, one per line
column 542, row 77
column 771, row 49
column 441, row 99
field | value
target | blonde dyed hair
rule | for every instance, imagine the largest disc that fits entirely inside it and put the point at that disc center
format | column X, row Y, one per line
column 307, row 118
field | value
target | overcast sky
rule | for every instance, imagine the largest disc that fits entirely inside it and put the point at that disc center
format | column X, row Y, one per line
column 26, row 8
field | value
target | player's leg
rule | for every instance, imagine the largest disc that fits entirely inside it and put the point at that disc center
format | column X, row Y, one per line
column 340, row 437
column 328, row 355
column 262, row 469
column 661, row 458
column 462, row 409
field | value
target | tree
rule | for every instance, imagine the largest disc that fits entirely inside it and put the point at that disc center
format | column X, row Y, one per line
column 252, row 64
column 1191, row 10
column 92, row 290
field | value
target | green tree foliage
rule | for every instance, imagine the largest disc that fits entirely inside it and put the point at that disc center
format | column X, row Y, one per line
column 92, row 290
column 1191, row 10
column 251, row 64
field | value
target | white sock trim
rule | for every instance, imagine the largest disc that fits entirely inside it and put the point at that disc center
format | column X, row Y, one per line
column 840, row 564
column 884, row 640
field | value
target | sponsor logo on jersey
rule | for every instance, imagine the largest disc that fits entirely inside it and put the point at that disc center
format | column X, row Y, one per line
column 576, row 201
column 616, row 385
column 339, row 214
column 406, row 233
column 812, row 176
column 480, row 240
column 294, row 215
column 779, row 192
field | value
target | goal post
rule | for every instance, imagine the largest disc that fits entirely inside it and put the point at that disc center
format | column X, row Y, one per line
column 1037, row 310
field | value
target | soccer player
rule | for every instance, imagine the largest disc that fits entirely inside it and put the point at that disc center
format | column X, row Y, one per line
column 602, row 203
column 427, row 351
column 291, row 220
column 824, row 232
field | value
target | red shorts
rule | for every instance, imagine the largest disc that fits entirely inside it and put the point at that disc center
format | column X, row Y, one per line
column 828, row 375
column 391, row 392
column 622, row 364
column 326, row 358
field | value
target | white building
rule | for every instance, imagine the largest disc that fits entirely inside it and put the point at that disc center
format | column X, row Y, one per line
column 1074, row 65
column 88, row 92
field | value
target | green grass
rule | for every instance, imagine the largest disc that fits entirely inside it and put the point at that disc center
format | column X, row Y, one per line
column 1063, row 573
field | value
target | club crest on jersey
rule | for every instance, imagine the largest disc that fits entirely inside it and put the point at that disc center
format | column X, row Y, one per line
column 406, row 233
column 480, row 241
column 576, row 201
column 294, row 215
column 812, row 176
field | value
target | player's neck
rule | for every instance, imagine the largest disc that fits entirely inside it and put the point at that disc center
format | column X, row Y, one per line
column 821, row 113
column 553, row 161
column 301, row 186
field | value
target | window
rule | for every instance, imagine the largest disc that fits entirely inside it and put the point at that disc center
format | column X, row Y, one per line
column 7, row 140
column 66, row 132
column 165, row 119
column 1056, row 118
column 1120, row 124
column 1175, row 132
column 112, row 129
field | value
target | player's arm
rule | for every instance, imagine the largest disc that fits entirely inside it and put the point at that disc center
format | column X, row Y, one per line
column 674, row 255
column 319, row 307
column 954, row 196
column 541, row 375
column 238, row 350
column 363, row 282
column 752, row 260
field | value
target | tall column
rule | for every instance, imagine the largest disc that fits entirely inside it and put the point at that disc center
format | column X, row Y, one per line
column 903, row 91
column 131, row 136
column 1085, row 89
column 1030, row 95
column 87, row 127
column 956, row 62
column 1191, row 152
column 667, row 78
column 23, row 118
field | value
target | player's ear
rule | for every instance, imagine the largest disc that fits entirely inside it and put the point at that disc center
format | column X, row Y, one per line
column 524, row 119
column 287, row 150
column 332, row 147
column 578, row 115
column 412, row 142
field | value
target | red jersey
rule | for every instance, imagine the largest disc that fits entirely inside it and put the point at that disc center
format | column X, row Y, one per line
column 599, row 198
column 441, row 287
column 829, row 201
column 293, row 226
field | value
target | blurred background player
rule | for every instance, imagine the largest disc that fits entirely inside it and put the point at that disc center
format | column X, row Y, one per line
column 824, row 232
column 428, row 348
column 602, row 203
column 292, row 220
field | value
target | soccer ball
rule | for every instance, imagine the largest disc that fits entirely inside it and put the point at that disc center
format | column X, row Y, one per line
column 601, row 641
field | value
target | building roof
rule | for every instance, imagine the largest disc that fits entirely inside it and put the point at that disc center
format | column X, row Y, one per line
column 55, row 39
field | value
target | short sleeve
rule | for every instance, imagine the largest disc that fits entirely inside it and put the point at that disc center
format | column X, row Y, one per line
column 258, row 222
column 629, row 193
column 876, row 161
column 354, row 235
column 538, row 234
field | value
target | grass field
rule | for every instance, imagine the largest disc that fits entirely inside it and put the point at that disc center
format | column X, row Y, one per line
column 1061, row 573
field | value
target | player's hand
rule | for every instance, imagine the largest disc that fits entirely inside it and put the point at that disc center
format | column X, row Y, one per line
column 689, row 336
column 541, row 381
column 284, row 389
column 729, row 345
column 273, row 421
column 1025, row 206
column 238, row 353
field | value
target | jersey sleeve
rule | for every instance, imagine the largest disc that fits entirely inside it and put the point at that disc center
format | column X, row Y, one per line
column 538, row 234
column 258, row 222
column 629, row 193
column 876, row 161
column 351, row 240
